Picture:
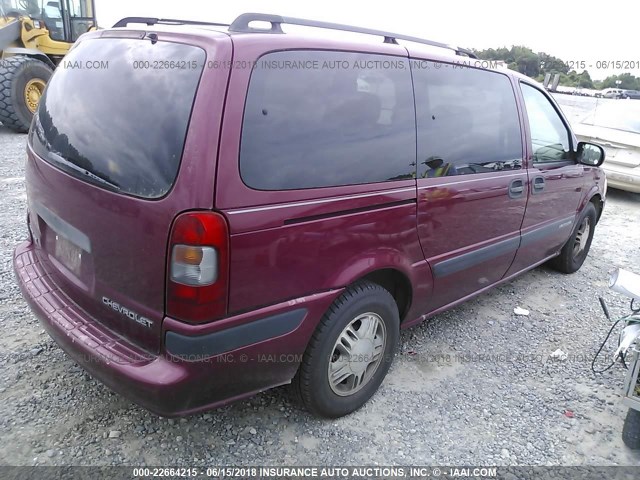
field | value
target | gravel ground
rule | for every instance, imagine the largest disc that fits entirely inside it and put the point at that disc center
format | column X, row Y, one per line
column 474, row 385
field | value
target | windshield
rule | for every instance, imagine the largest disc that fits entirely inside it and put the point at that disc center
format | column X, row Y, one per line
column 621, row 115
column 120, row 124
column 30, row 8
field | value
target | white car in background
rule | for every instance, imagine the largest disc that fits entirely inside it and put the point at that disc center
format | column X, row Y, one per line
column 616, row 126
column 611, row 93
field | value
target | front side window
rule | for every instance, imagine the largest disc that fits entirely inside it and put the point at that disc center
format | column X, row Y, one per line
column 467, row 121
column 549, row 135
column 320, row 118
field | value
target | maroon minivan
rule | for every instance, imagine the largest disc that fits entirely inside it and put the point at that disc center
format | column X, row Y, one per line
column 218, row 210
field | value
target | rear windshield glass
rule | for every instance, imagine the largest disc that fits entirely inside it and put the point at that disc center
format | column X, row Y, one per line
column 114, row 116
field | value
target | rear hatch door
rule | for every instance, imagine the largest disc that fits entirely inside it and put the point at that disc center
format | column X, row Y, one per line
column 123, row 141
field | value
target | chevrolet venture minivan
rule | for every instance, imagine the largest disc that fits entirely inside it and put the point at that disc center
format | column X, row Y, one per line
column 218, row 210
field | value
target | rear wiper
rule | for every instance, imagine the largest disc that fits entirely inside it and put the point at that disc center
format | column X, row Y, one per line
column 97, row 179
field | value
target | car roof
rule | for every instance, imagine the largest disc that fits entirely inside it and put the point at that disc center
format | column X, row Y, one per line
column 310, row 37
column 338, row 36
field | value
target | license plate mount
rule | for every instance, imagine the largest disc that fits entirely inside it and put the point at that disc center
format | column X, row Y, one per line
column 69, row 254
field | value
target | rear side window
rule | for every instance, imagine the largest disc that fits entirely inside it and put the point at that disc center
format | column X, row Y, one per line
column 467, row 121
column 321, row 119
column 114, row 117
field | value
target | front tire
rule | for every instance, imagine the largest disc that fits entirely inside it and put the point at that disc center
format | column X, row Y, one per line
column 350, row 352
column 22, row 83
column 575, row 251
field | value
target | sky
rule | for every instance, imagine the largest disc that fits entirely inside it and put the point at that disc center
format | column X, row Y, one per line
column 571, row 30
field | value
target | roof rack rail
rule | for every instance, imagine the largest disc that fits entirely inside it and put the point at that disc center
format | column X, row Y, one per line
column 163, row 21
column 241, row 24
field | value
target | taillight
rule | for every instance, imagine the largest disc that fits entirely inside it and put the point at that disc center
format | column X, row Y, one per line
column 198, row 270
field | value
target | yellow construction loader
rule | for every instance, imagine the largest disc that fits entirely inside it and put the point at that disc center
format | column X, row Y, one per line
column 34, row 37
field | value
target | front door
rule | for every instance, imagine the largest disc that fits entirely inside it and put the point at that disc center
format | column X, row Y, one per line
column 556, row 181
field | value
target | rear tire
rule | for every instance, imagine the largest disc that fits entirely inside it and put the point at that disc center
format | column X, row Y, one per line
column 631, row 430
column 575, row 251
column 22, row 81
column 350, row 352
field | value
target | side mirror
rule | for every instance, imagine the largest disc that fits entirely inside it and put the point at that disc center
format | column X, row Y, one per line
column 590, row 154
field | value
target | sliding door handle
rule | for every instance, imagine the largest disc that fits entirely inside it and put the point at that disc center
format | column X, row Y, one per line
column 538, row 184
column 516, row 188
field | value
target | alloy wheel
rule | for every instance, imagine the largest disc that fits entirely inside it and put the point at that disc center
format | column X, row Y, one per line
column 582, row 237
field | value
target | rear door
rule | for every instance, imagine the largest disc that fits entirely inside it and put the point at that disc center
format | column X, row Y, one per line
column 105, row 150
column 472, row 186
column 320, row 190
column 556, row 180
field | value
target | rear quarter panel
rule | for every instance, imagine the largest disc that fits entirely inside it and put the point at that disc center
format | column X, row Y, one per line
column 302, row 249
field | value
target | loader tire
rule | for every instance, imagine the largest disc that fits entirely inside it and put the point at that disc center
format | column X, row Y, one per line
column 22, row 82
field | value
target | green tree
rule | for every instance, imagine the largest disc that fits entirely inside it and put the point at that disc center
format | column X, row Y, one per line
column 551, row 64
column 585, row 80
column 537, row 65
column 627, row 82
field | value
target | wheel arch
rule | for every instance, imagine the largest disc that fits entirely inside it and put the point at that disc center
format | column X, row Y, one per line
column 404, row 274
column 392, row 279
column 598, row 202
column 594, row 195
column 397, row 284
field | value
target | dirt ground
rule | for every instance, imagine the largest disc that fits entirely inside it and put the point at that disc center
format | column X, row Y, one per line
column 475, row 385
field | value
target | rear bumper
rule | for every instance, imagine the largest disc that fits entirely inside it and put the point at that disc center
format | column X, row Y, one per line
column 623, row 178
column 199, row 367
